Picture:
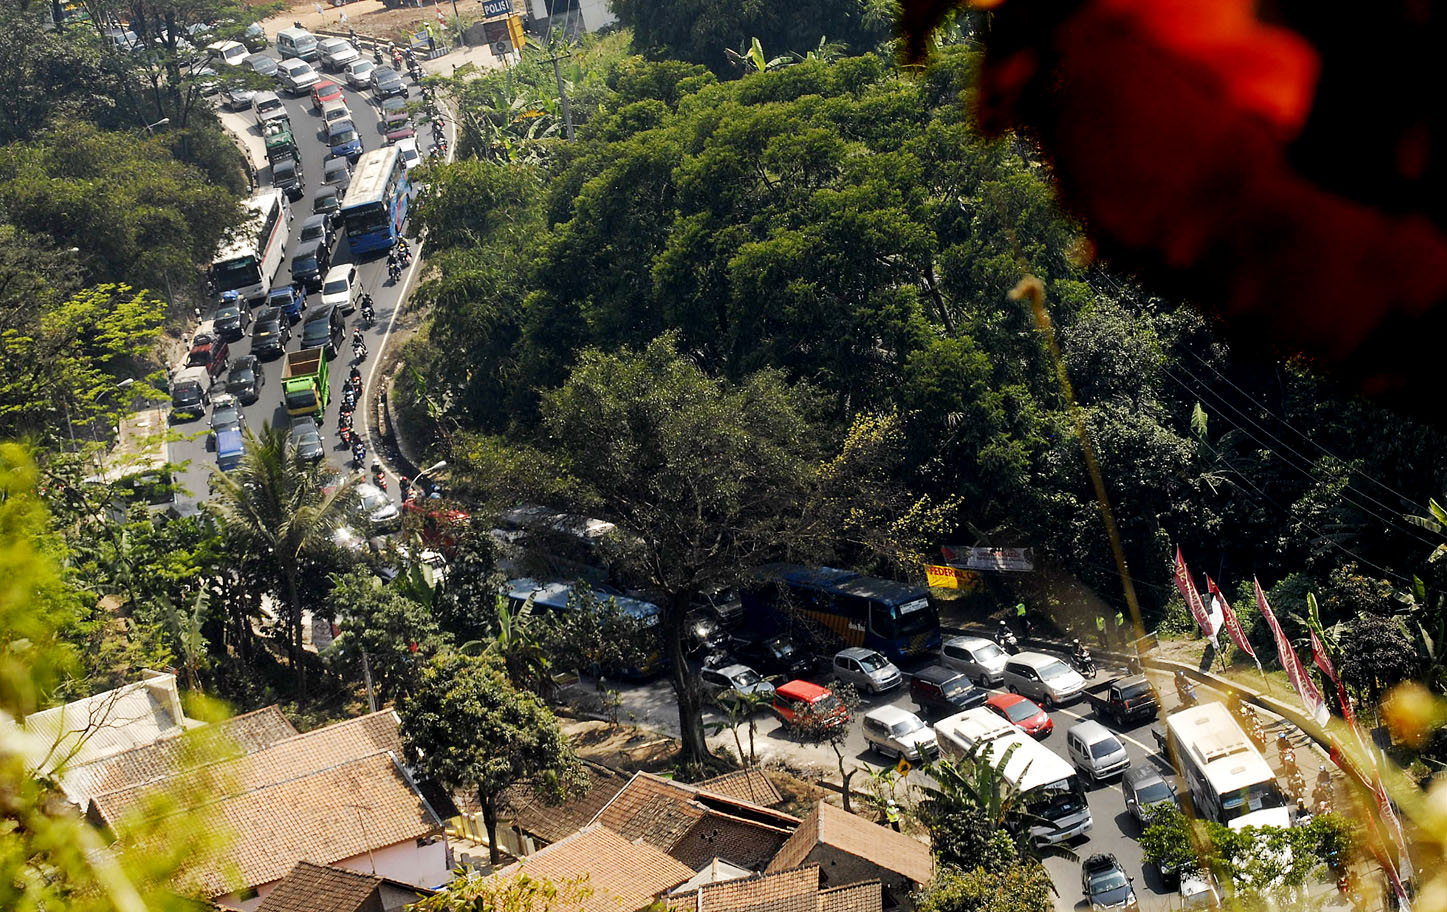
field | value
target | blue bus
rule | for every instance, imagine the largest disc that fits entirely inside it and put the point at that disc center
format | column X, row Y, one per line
column 376, row 202
column 558, row 597
column 830, row 609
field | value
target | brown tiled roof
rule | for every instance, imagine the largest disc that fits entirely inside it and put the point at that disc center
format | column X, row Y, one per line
column 320, row 888
column 325, row 816
column 297, row 755
column 865, row 896
column 853, row 835
column 789, row 891
column 243, row 734
column 749, row 785
column 623, row 876
column 684, row 821
column 551, row 823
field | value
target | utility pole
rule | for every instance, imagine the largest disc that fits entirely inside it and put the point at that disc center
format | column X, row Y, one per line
column 367, row 676
column 562, row 93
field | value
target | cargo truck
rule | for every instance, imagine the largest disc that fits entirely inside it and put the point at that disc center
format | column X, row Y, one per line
column 279, row 140
column 304, row 382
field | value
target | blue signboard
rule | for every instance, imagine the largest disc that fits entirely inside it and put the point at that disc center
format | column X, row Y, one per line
column 492, row 8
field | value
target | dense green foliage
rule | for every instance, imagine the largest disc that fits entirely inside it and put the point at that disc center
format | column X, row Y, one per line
column 1022, row 888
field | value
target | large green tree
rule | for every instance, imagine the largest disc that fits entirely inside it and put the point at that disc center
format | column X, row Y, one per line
column 1022, row 888
column 380, row 626
column 468, row 728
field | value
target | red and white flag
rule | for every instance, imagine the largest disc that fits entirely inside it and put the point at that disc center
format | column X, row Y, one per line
column 1323, row 661
column 1311, row 699
column 1230, row 621
column 1193, row 598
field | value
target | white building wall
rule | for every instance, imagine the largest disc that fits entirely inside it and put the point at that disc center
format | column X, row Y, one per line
column 423, row 866
column 596, row 14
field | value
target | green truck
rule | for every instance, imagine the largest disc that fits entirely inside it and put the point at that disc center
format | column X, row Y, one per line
column 279, row 140
column 304, row 383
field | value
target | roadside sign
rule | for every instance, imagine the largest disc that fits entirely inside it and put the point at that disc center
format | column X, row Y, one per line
column 949, row 577
column 492, row 8
column 902, row 767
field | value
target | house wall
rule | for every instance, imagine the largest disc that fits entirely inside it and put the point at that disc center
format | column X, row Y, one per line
column 596, row 14
column 838, row 868
column 425, row 866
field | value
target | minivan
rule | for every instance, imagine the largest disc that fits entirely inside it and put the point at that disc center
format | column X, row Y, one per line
column 866, row 669
column 286, row 174
column 1043, row 678
column 310, row 264
column 981, row 659
column 899, row 733
column 801, row 703
column 339, row 288
column 323, row 329
column 297, row 42
column 268, row 105
column 342, row 139
column 1096, row 751
column 940, row 691
column 336, row 110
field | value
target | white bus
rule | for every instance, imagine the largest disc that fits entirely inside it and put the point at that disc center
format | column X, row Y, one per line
column 1050, row 786
column 250, row 259
column 1228, row 779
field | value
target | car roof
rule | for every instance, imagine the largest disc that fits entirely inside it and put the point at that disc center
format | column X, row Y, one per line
column 319, row 218
column 970, row 642
column 856, row 652
column 270, row 313
column 733, row 671
column 341, row 270
column 805, row 691
column 937, row 674
column 1100, row 861
column 889, row 714
column 1138, row 775
column 1033, row 659
column 1007, row 699
column 1091, row 731
column 309, row 248
column 301, row 422
column 248, row 362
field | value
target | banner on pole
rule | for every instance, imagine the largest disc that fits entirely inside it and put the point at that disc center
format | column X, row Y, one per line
column 1301, row 682
column 1006, row 560
column 1193, row 598
column 949, row 577
column 1229, row 620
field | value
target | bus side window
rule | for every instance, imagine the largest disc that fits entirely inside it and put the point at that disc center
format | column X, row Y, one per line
column 881, row 620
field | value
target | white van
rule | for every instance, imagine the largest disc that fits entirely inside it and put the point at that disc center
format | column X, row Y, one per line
column 231, row 53
column 899, row 733
column 1095, row 750
column 268, row 106
column 339, row 288
column 335, row 110
column 959, row 734
column 1043, row 678
column 297, row 42
column 980, row 659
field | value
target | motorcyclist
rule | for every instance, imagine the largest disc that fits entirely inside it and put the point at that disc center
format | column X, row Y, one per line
column 1185, row 689
column 359, row 453
column 359, row 350
column 1078, row 653
column 379, row 477
column 368, row 314
column 355, row 377
column 1288, row 753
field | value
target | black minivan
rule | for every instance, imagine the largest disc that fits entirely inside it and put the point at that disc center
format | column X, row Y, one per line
column 324, row 328
column 939, row 691
column 286, row 174
column 309, row 265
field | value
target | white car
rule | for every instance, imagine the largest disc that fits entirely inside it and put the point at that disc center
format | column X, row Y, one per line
column 981, row 659
column 296, row 75
column 408, row 149
column 897, row 732
column 358, row 73
column 378, row 507
column 732, row 681
column 336, row 53
column 339, row 288
column 231, row 53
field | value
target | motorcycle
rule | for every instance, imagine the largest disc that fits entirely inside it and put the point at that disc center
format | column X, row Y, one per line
column 1008, row 641
column 344, row 434
column 359, row 454
column 344, row 419
column 369, row 316
column 1295, row 784
column 1186, row 691
column 394, row 272
column 1084, row 664
column 359, row 351
column 349, row 398
column 379, row 477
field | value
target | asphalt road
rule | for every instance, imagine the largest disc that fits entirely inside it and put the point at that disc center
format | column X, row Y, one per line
column 652, row 705
column 194, row 450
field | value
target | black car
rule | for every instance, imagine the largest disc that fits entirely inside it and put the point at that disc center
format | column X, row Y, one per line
column 307, row 439
column 236, row 95
column 337, row 172
column 1145, row 788
column 939, row 691
column 263, row 64
column 231, row 320
column 245, row 379
column 386, row 82
column 327, row 204
column 310, row 264
column 317, row 228
column 286, row 174
column 704, row 632
column 270, row 334
column 1105, row 883
column 773, row 655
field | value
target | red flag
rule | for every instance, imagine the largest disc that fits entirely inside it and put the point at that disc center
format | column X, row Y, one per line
column 1192, row 597
column 1323, row 661
column 1232, row 624
column 1311, row 699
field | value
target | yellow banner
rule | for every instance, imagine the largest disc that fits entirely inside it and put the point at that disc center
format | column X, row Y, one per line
column 950, row 577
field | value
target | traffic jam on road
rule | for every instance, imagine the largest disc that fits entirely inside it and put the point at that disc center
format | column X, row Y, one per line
column 315, row 290
column 1086, row 751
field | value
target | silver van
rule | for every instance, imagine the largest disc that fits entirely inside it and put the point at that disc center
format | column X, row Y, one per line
column 1043, row 678
column 297, row 42
column 896, row 732
column 981, row 659
column 1096, row 751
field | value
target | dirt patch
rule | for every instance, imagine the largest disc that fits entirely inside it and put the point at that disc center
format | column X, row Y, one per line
column 369, row 18
column 625, row 747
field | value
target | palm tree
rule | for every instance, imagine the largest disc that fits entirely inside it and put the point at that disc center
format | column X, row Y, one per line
column 976, row 784
column 276, row 506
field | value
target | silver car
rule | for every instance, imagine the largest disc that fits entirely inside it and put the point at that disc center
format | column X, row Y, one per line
column 981, row 659
column 336, row 53
column 897, row 732
column 358, row 73
column 866, row 669
column 378, row 507
column 1096, row 751
column 733, row 681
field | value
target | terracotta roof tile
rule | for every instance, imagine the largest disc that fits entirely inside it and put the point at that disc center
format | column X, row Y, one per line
column 865, row 896
column 789, row 891
column 853, row 835
column 655, row 810
column 737, row 841
column 320, row 888
column 624, row 876
column 551, row 823
column 749, row 785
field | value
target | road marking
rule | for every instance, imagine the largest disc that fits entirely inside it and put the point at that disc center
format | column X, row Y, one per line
column 1121, row 735
column 377, row 357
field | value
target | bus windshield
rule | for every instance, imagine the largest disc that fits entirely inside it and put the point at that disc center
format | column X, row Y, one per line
column 367, row 219
column 1057, row 800
column 236, row 274
column 913, row 618
column 1259, row 797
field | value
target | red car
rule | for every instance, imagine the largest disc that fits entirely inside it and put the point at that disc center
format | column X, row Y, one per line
column 1023, row 713
column 210, row 351
column 325, row 91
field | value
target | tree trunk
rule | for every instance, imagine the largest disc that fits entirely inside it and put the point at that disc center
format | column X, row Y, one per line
column 293, row 608
column 489, row 820
column 685, row 687
column 843, row 776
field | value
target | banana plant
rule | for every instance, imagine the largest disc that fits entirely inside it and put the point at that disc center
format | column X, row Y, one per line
column 753, row 60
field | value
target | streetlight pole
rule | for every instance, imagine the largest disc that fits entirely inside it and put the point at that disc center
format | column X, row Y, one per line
column 435, row 467
column 150, row 127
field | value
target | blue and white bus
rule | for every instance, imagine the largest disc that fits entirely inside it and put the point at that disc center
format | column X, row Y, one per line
column 838, row 608
column 376, row 202
column 558, row 598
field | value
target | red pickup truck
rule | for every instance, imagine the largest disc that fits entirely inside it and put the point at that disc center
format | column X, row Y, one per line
column 209, row 351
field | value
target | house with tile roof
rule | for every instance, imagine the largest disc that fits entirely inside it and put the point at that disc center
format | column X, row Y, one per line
column 849, row 849
column 98, row 727
column 338, row 795
column 527, row 824
column 326, row 888
column 786, row 891
column 747, row 785
column 695, row 825
column 621, row 875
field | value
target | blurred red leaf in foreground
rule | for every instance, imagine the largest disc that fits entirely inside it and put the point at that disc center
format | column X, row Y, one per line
column 1279, row 175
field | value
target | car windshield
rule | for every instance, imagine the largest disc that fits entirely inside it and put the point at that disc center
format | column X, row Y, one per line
column 827, row 705
column 906, row 726
column 374, row 500
column 780, row 646
column 1154, row 793
column 228, row 312
column 394, row 105
column 335, row 286
column 1053, row 669
column 873, row 662
column 240, row 379
column 344, row 136
column 305, row 263
column 225, row 416
column 911, row 618
column 1112, row 879
column 316, row 331
column 1132, row 691
column 958, row 688
column 747, row 678
column 988, row 652
column 1259, row 797
column 313, row 232
column 1105, row 748
column 1019, row 712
